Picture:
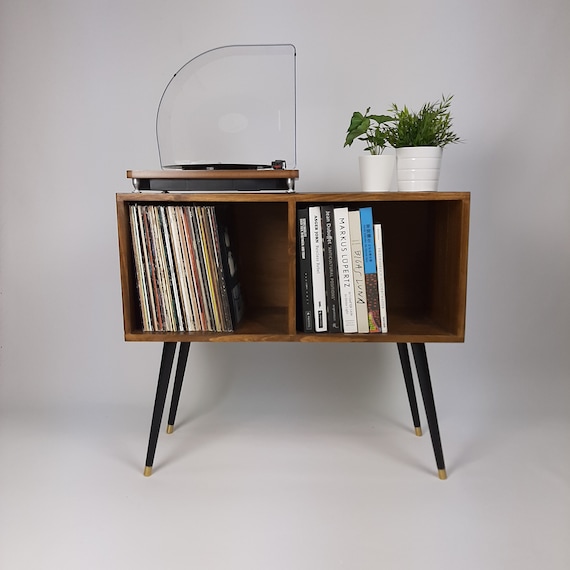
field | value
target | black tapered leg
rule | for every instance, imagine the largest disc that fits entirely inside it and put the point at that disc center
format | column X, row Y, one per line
column 420, row 357
column 409, row 380
column 178, row 379
column 166, row 362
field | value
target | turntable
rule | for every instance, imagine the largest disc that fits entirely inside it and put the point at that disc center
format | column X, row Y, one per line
column 227, row 122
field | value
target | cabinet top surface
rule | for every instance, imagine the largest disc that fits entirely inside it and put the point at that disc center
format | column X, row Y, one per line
column 294, row 197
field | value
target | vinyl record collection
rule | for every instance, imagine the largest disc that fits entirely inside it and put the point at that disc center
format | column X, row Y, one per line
column 185, row 269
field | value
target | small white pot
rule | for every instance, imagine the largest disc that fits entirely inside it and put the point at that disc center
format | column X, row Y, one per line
column 418, row 168
column 376, row 172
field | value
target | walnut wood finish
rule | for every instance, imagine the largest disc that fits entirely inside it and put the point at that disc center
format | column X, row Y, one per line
column 425, row 249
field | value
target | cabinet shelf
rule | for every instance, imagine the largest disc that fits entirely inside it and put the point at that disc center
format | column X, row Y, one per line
column 269, row 327
column 425, row 255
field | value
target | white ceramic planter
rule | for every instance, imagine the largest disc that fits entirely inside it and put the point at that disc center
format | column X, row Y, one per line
column 376, row 172
column 418, row 168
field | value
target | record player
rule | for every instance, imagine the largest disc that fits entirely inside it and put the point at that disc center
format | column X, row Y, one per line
column 227, row 122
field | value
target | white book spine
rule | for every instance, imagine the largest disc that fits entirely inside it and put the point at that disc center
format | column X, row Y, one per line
column 318, row 269
column 344, row 262
column 358, row 275
column 381, row 277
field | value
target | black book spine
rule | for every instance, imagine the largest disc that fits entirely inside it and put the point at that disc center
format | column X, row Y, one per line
column 304, row 276
column 331, row 273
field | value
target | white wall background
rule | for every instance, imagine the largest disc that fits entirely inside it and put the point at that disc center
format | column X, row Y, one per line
column 80, row 83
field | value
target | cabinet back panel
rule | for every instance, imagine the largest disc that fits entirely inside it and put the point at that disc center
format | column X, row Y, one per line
column 423, row 264
column 261, row 230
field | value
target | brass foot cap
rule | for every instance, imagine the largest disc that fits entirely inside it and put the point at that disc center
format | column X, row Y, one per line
column 147, row 471
column 169, row 428
column 419, row 431
column 442, row 473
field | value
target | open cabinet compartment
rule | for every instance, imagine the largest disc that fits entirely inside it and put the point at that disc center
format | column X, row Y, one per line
column 260, row 239
column 424, row 269
column 261, row 231
column 425, row 239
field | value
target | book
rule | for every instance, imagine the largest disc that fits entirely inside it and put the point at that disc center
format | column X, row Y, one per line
column 381, row 276
column 358, row 271
column 370, row 272
column 317, row 269
column 344, row 263
column 304, row 277
column 331, row 270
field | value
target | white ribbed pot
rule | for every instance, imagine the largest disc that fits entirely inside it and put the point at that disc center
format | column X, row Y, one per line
column 376, row 172
column 418, row 168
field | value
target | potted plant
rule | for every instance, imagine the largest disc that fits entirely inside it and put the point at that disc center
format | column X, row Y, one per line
column 376, row 169
column 419, row 139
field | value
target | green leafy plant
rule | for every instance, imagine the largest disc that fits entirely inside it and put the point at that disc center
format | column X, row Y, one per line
column 372, row 129
column 430, row 126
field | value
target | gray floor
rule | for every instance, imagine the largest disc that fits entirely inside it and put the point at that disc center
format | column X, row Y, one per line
column 280, row 470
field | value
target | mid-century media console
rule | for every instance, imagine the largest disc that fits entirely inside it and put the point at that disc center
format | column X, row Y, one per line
column 425, row 258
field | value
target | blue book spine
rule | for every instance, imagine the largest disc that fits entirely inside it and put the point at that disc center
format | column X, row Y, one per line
column 370, row 272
